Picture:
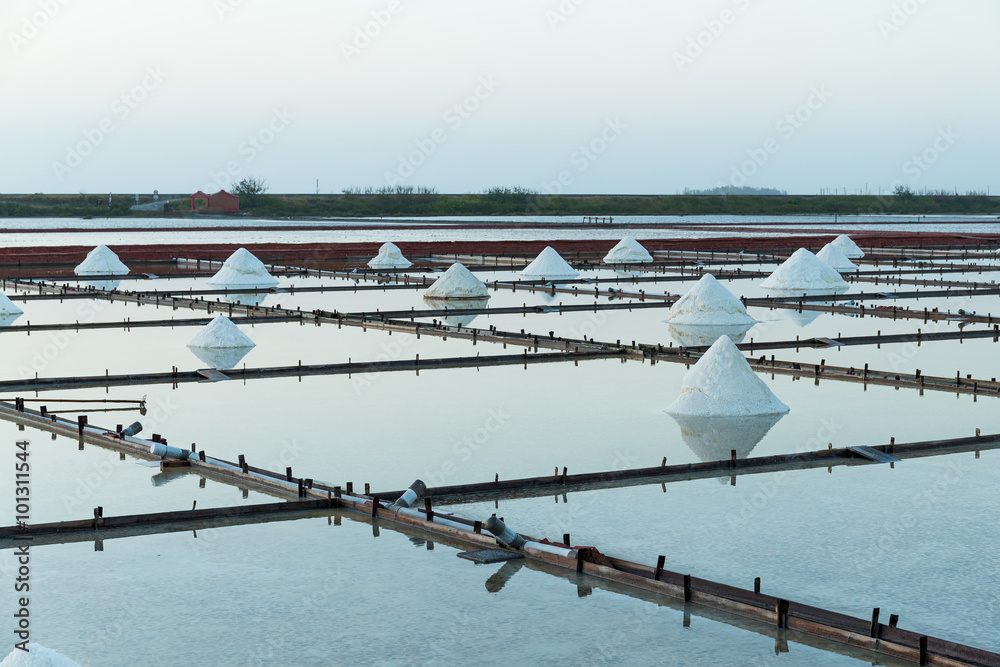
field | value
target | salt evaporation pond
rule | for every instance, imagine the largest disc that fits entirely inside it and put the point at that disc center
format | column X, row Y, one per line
column 467, row 425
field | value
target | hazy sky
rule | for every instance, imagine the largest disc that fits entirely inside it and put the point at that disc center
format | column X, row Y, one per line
column 578, row 96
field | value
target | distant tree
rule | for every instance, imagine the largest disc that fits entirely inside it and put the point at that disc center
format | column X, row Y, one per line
column 251, row 191
column 903, row 191
column 735, row 190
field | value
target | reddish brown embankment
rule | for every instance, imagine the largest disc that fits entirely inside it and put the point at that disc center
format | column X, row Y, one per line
column 310, row 253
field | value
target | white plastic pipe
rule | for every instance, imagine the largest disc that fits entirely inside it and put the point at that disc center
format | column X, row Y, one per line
column 168, row 452
column 412, row 494
column 550, row 549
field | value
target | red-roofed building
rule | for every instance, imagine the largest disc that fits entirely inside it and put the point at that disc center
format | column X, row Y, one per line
column 220, row 201
column 224, row 201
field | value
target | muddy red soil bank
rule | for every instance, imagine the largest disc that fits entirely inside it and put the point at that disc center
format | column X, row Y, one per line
column 310, row 253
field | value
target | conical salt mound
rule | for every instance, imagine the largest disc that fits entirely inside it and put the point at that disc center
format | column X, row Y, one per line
column 457, row 283
column 101, row 261
column 628, row 251
column 242, row 269
column 844, row 244
column 220, row 333
column 549, row 265
column 836, row 260
column 220, row 358
column 708, row 302
column 37, row 656
column 804, row 272
column 389, row 257
column 722, row 384
column 7, row 306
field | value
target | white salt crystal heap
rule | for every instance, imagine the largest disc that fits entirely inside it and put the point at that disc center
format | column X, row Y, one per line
column 549, row 265
column 220, row 333
column 457, row 318
column 844, row 244
column 101, row 261
column 835, row 259
column 37, row 656
column 242, row 269
column 221, row 344
column 389, row 257
column 628, row 251
column 722, row 384
column 804, row 273
column 457, row 283
column 709, row 303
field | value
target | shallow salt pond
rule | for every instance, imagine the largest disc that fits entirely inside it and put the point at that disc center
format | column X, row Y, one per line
column 312, row 592
column 918, row 539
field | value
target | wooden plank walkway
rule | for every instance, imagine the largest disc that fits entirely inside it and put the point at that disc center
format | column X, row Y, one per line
column 202, row 375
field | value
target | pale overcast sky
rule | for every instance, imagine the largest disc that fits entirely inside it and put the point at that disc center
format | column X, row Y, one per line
column 579, row 96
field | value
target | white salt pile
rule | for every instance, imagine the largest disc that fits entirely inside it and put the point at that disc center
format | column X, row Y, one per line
column 37, row 656
column 722, row 384
column 456, row 316
column 101, row 261
column 549, row 265
column 835, row 259
column 844, row 244
column 7, row 306
column 221, row 344
column 242, row 269
column 804, row 272
column 221, row 333
column 389, row 257
column 628, row 251
column 708, row 302
column 457, row 283
column 220, row 358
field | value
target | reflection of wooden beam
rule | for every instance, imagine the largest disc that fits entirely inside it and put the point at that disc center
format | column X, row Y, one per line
column 534, row 487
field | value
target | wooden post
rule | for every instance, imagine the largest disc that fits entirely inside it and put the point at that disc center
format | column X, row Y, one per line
column 873, row 631
column 429, row 509
column 781, row 613
column 375, row 507
column 756, row 585
column 923, row 650
column 660, row 561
